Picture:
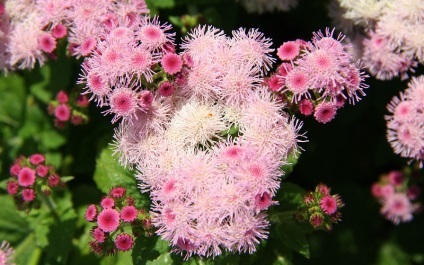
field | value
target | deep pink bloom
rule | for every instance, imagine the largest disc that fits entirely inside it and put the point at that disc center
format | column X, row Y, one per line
column 396, row 177
column 59, row 31
column 15, row 169
column 166, row 89
column 62, row 97
column 129, row 213
column 275, row 83
column 172, row 63
column 328, row 204
column 28, row 195
column 376, row 190
column 107, row 202
column 26, row 177
column 88, row 46
column 42, row 170
column 325, row 112
column 47, row 42
column 288, row 51
column 98, row 234
column 117, row 192
column 12, row 187
column 146, row 99
column 82, row 101
column 262, row 202
column 306, row 107
column 53, row 180
column 62, row 112
column 1, row 9
column 36, row 159
column 108, row 220
column 124, row 242
column 91, row 213
column 413, row 192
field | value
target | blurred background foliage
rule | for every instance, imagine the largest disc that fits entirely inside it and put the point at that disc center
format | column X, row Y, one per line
column 348, row 154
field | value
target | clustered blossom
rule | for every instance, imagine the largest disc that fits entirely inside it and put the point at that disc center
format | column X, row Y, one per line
column 267, row 6
column 116, row 211
column 393, row 45
column 405, row 124
column 321, row 208
column 29, row 177
column 6, row 253
column 319, row 75
column 30, row 30
column 397, row 196
column 66, row 108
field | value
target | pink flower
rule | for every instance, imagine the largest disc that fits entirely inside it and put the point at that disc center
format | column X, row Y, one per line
column 123, row 103
column 146, row 99
column 98, row 235
column 396, row 178
column 297, row 81
column 263, row 201
column 36, row 159
column 325, row 112
column 316, row 220
column 82, row 101
column 413, row 192
column 62, row 112
column 26, row 177
column 172, row 63
column 328, row 204
column 53, row 180
column 117, row 192
column 88, row 46
column 12, row 187
column 59, row 31
column 166, row 89
column 275, row 83
column 47, row 42
column 62, row 97
column 387, row 191
column 42, row 170
column 323, row 189
column 288, row 51
column 108, row 220
column 15, row 169
column 124, row 242
column 107, row 202
column 129, row 213
column 376, row 190
column 397, row 208
column 306, row 107
column 91, row 213
column 28, row 195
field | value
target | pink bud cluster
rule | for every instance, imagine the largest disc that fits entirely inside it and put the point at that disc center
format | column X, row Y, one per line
column 30, row 30
column 30, row 176
column 318, row 76
column 405, row 123
column 68, row 109
column 116, row 211
column 397, row 196
column 321, row 208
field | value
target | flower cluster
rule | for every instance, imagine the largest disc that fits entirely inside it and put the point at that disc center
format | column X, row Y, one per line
column 405, row 124
column 321, row 208
column 318, row 75
column 116, row 211
column 394, row 42
column 30, row 30
column 30, row 176
column 397, row 196
column 67, row 110
column 267, row 6
column 6, row 253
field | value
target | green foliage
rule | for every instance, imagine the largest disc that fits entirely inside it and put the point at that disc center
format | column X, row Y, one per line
column 109, row 173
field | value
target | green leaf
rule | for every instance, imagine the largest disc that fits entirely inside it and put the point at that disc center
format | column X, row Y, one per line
column 13, row 227
column 12, row 90
column 292, row 161
column 294, row 237
column 51, row 139
column 290, row 196
column 163, row 259
column 391, row 254
column 160, row 3
column 40, row 89
column 148, row 249
column 27, row 253
column 110, row 173
column 122, row 258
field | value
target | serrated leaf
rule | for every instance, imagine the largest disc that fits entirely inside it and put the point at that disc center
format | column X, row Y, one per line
column 122, row 258
column 110, row 173
column 27, row 253
column 13, row 227
column 148, row 249
column 294, row 237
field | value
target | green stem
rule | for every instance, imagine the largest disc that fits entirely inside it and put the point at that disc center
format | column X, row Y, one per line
column 50, row 204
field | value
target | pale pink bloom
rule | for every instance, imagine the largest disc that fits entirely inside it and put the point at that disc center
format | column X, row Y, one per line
column 154, row 35
column 123, row 103
column 140, row 62
column 288, row 51
column 96, row 84
column 297, row 81
column 325, row 112
column 387, row 191
column 171, row 63
column 26, row 177
column 397, row 208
